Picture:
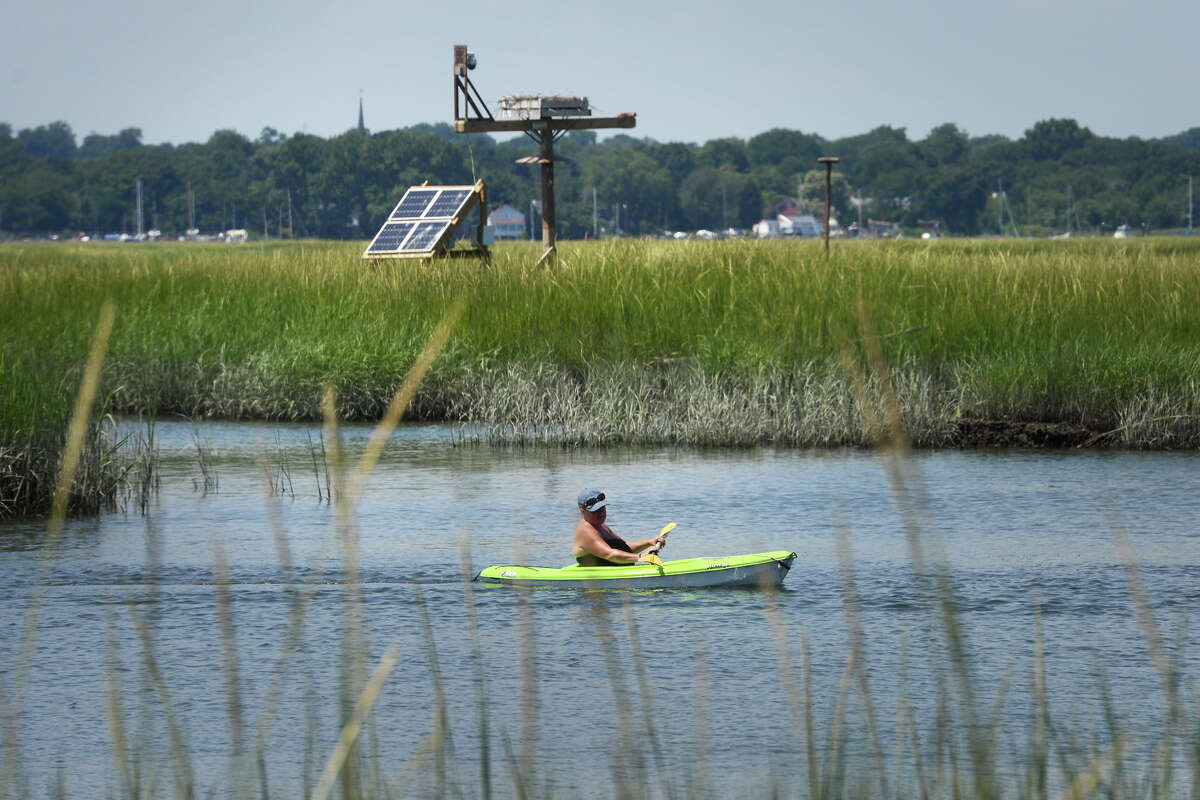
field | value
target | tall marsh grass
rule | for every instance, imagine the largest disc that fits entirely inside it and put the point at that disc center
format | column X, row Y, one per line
column 731, row 343
column 116, row 470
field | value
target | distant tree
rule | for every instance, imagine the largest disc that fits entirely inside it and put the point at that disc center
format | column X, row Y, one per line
column 1188, row 140
column 55, row 140
column 1050, row 139
column 37, row 201
column 576, row 146
column 677, row 158
column 340, row 189
column 632, row 179
column 96, row 145
column 107, row 190
column 945, row 144
column 868, row 157
column 504, row 187
column 955, row 196
column 11, row 153
column 290, row 170
column 296, row 159
column 780, row 145
column 270, row 136
column 446, row 132
column 987, row 140
column 886, row 149
column 620, row 141
column 727, row 152
column 709, row 197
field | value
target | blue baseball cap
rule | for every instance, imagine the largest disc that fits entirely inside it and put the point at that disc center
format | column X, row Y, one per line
column 591, row 500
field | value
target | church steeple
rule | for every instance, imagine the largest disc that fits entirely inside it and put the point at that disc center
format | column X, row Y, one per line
column 361, row 127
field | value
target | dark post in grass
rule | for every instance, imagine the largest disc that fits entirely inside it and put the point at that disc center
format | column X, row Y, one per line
column 828, row 161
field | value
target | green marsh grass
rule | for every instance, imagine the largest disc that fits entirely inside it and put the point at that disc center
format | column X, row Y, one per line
column 1042, row 330
column 732, row 343
column 957, row 756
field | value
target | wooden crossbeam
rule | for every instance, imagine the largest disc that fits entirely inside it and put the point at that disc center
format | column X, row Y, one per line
column 628, row 120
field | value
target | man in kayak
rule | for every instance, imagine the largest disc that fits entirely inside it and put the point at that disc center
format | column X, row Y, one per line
column 595, row 543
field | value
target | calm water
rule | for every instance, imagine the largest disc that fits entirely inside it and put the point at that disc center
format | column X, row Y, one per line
column 1016, row 529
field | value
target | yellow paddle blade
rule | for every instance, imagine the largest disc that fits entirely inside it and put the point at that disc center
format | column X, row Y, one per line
column 650, row 558
column 670, row 526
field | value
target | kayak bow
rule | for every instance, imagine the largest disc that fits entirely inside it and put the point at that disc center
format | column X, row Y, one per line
column 755, row 569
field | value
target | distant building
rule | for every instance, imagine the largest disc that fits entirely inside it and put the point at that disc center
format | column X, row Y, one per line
column 790, row 225
column 799, row 225
column 507, row 222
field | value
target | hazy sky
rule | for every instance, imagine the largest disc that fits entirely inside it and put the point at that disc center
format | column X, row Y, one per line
column 692, row 71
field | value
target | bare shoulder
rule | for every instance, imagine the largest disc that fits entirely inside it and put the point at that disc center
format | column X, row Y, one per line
column 584, row 531
column 586, row 534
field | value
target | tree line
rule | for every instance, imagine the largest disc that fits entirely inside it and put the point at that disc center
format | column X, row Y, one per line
column 1059, row 176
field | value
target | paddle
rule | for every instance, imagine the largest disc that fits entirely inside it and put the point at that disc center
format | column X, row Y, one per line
column 651, row 555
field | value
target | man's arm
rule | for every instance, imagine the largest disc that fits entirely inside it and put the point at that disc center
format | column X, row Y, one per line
column 638, row 547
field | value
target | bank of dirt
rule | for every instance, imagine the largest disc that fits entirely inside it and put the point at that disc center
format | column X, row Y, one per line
column 999, row 433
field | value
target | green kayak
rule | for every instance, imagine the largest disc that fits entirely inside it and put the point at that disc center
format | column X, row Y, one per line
column 755, row 569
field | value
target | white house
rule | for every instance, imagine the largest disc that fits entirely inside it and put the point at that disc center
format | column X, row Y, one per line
column 799, row 225
column 507, row 222
column 792, row 225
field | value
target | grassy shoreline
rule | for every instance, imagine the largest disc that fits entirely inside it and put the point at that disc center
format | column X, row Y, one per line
column 735, row 343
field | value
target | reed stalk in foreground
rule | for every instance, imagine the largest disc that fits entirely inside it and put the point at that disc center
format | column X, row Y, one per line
column 648, row 711
column 485, row 761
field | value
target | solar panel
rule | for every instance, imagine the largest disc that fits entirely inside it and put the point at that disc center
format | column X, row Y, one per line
column 448, row 203
column 426, row 234
column 414, row 203
column 390, row 237
column 422, row 223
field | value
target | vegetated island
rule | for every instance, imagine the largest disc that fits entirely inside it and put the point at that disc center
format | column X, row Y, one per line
column 738, row 343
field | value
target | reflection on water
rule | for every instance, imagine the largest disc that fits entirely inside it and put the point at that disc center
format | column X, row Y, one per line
column 1016, row 528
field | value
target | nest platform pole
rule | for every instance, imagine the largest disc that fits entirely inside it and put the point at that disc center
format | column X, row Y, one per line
column 548, row 233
